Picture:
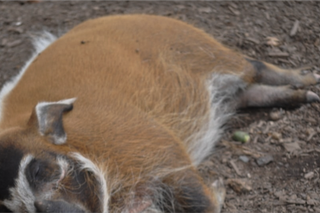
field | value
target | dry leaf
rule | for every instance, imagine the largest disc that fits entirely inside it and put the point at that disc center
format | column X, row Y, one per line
column 239, row 185
column 291, row 147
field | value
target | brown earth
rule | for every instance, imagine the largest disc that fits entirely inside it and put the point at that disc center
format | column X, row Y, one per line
column 290, row 182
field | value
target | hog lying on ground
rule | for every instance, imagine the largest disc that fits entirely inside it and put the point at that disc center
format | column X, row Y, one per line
column 150, row 96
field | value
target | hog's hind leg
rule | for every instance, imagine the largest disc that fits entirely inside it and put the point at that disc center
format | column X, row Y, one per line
column 273, row 86
column 270, row 74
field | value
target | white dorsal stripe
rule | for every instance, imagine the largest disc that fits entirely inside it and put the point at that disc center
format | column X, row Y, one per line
column 40, row 43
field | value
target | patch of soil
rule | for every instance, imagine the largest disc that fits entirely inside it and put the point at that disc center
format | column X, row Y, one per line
column 284, row 33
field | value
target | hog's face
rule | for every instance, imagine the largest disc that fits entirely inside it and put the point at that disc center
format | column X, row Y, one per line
column 29, row 176
column 37, row 174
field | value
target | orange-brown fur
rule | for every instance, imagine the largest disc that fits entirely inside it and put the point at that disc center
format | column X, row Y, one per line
column 140, row 83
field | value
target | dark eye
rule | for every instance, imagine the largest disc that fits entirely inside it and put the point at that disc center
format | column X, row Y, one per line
column 32, row 171
column 36, row 171
column 41, row 171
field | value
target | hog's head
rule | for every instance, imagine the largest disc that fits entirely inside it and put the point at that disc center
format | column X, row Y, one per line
column 38, row 173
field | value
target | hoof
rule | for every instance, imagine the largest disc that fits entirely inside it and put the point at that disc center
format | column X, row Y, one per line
column 312, row 97
column 317, row 77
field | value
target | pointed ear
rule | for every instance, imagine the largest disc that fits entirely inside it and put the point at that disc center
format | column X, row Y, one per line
column 47, row 117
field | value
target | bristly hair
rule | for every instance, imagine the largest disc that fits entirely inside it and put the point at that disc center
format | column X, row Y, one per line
column 222, row 89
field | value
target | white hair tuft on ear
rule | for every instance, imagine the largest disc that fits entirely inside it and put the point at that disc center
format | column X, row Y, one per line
column 49, row 116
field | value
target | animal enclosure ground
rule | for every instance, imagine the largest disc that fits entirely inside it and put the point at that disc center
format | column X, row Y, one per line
column 285, row 142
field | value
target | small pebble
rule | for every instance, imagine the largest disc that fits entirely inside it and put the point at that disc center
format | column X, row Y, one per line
column 276, row 135
column 309, row 175
column 244, row 158
column 275, row 115
column 264, row 160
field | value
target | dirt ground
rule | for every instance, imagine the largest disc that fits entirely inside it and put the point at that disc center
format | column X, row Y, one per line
column 285, row 142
